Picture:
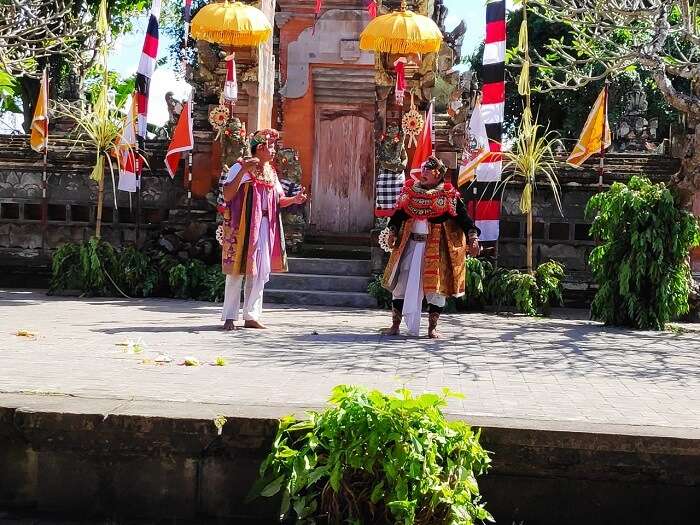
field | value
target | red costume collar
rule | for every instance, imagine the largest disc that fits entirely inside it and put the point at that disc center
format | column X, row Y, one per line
column 419, row 203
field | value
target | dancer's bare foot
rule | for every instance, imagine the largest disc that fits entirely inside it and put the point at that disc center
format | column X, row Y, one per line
column 254, row 324
column 394, row 330
column 434, row 334
column 229, row 326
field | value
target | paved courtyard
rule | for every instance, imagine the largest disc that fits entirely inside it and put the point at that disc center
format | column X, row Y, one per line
column 560, row 373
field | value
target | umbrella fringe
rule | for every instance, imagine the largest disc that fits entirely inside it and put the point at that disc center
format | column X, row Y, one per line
column 400, row 45
column 237, row 38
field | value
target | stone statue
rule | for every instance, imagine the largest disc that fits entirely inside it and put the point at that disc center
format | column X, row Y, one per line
column 391, row 151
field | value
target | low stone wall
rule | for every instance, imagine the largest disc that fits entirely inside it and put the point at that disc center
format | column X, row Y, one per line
column 60, row 461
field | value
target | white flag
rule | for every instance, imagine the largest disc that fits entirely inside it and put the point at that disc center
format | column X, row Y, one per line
column 476, row 148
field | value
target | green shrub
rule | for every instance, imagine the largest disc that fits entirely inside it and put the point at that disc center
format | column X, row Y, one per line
column 641, row 265
column 187, row 280
column 89, row 267
column 138, row 273
column 382, row 295
column 527, row 294
column 66, row 269
column 376, row 458
column 549, row 277
column 214, row 285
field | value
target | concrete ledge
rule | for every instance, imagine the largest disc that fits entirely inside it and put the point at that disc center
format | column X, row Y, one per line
column 132, row 459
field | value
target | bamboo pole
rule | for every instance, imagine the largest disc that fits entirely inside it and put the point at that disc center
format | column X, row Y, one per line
column 44, row 199
column 601, row 165
column 100, row 201
column 528, row 108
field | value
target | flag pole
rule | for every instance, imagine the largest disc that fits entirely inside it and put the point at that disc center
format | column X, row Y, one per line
column 44, row 175
column 601, row 166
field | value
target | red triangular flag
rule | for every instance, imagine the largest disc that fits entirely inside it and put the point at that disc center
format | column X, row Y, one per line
column 425, row 145
column 182, row 140
column 372, row 9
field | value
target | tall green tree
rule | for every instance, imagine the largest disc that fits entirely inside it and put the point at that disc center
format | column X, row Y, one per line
column 565, row 111
column 60, row 35
column 660, row 38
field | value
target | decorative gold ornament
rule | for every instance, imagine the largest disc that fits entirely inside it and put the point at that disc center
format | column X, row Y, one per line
column 412, row 124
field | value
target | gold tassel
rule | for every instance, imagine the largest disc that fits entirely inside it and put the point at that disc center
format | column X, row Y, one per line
column 522, row 41
column 524, row 81
column 526, row 198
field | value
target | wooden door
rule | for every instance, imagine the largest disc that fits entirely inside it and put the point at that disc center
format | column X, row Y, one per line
column 342, row 199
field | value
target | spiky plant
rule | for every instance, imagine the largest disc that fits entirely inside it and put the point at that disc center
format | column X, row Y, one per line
column 98, row 126
column 533, row 153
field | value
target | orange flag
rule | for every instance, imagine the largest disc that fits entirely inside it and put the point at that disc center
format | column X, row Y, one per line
column 182, row 139
column 591, row 140
column 39, row 138
column 425, row 145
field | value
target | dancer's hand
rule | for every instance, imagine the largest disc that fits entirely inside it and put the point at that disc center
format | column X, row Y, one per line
column 391, row 240
column 301, row 197
column 474, row 246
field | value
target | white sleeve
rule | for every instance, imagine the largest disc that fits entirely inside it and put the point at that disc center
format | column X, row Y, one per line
column 279, row 189
column 235, row 170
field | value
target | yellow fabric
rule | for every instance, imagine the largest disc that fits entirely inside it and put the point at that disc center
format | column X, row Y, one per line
column 234, row 247
column 234, row 24
column 40, row 121
column 590, row 141
column 401, row 32
column 444, row 269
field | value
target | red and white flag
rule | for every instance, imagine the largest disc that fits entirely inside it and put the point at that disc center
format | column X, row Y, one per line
column 126, row 148
column 147, row 65
column 476, row 148
column 182, row 141
column 231, row 84
column 425, row 145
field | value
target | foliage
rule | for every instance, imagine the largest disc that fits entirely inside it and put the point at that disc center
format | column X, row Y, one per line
column 122, row 87
column 376, row 458
column 641, row 264
column 549, row 277
column 187, row 279
column 66, row 269
column 88, row 267
column 172, row 24
column 658, row 37
column 528, row 294
column 382, row 295
column 138, row 275
column 565, row 111
column 213, row 285
column 9, row 91
column 97, row 268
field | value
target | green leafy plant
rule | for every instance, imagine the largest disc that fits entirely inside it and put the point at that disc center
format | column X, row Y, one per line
column 641, row 265
column 382, row 295
column 187, row 279
column 527, row 294
column 376, row 458
column 138, row 273
column 66, row 269
column 549, row 277
column 213, row 285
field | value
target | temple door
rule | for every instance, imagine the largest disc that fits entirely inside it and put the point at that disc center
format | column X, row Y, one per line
column 342, row 199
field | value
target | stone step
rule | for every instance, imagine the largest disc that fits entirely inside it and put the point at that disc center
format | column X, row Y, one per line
column 320, row 283
column 316, row 266
column 334, row 251
column 320, row 298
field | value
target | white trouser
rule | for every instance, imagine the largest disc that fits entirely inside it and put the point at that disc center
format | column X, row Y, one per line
column 254, row 286
column 409, row 285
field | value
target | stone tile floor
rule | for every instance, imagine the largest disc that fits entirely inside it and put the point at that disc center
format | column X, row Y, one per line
column 564, row 372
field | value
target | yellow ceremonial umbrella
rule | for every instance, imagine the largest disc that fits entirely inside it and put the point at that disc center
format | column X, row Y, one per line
column 402, row 32
column 231, row 24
